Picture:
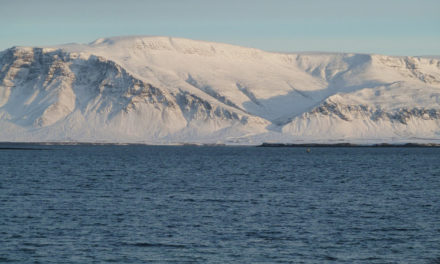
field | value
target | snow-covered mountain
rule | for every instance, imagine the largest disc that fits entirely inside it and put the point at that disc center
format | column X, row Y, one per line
column 168, row 90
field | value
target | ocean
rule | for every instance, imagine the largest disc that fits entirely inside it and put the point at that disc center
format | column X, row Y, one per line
column 195, row 204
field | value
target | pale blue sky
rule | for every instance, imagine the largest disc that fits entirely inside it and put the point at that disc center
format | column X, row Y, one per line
column 395, row 27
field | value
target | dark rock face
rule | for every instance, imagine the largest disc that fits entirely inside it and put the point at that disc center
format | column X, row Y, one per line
column 349, row 112
column 95, row 78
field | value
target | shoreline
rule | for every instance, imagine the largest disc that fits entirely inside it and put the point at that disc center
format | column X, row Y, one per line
column 351, row 145
column 23, row 145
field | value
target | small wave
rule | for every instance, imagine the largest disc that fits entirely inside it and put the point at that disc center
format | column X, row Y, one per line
column 327, row 257
column 146, row 244
column 435, row 261
column 4, row 260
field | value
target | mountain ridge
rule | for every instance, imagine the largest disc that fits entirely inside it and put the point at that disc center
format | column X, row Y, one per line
column 165, row 90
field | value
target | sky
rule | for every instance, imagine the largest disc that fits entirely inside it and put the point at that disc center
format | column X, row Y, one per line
column 392, row 27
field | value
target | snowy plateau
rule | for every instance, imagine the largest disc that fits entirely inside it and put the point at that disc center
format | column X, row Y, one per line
column 162, row 90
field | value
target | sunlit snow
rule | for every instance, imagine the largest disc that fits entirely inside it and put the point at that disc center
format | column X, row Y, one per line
column 162, row 90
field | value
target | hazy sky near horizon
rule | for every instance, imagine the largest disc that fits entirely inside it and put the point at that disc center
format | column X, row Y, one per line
column 395, row 27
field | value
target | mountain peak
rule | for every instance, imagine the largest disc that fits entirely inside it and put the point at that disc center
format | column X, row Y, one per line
column 167, row 44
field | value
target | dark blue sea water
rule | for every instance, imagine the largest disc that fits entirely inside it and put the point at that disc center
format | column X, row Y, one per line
column 143, row 204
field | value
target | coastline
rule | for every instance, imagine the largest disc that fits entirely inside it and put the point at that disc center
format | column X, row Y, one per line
column 24, row 145
column 351, row 145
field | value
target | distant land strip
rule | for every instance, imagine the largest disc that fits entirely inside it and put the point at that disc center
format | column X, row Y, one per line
column 20, row 148
column 325, row 145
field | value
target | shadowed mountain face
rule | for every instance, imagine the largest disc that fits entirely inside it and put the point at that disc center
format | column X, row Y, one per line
column 165, row 90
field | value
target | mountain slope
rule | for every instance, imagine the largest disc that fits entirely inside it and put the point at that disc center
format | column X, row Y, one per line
column 166, row 90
